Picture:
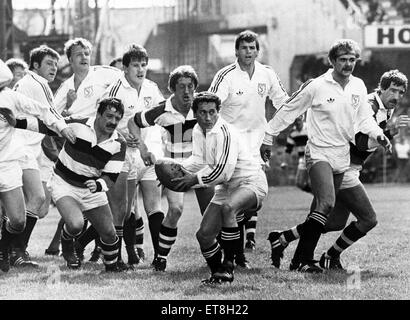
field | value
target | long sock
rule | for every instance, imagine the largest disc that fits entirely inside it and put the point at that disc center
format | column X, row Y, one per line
column 311, row 231
column 87, row 236
column 154, row 224
column 129, row 230
column 230, row 242
column 8, row 233
column 119, row 230
column 110, row 252
column 349, row 236
column 213, row 256
column 240, row 219
column 167, row 237
column 31, row 220
column 139, row 233
column 250, row 226
column 291, row 235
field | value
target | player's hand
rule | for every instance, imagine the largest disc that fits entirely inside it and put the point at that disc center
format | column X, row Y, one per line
column 69, row 134
column 71, row 97
column 402, row 121
column 132, row 142
column 148, row 158
column 185, row 182
column 266, row 152
column 385, row 143
column 91, row 185
column 9, row 116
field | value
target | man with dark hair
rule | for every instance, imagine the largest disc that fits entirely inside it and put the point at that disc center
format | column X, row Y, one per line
column 240, row 184
column 243, row 88
column 79, row 94
column 116, row 63
column 176, row 118
column 352, row 197
column 18, row 67
column 137, row 94
column 337, row 108
column 84, row 172
column 35, row 165
column 11, row 193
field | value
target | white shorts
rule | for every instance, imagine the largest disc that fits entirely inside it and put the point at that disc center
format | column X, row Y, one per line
column 46, row 167
column 351, row 177
column 11, row 176
column 132, row 163
column 147, row 174
column 85, row 198
column 257, row 183
column 338, row 158
column 28, row 161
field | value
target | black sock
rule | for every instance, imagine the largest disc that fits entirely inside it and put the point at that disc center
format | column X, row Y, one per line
column 139, row 233
column 119, row 230
column 154, row 224
column 311, row 231
column 250, row 226
column 167, row 238
column 230, row 242
column 87, row 236
column 349, row 236
column 31, row 220
column 129, row 230
column 213, row 256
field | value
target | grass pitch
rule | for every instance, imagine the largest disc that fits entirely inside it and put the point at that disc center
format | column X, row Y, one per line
column 380, row 268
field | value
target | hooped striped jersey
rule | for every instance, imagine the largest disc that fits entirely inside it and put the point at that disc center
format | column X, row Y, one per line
column 88, row 93
column 334, row 114
column 220, row 155
column 86, row 159
column 35, row 87
column 20, row 104
column 177, row 130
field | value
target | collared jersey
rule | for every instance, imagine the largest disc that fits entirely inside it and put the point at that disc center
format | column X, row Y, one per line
column 88, row 93
column 220, row 155
column 86, row 159
column 177, row 130
column 20, row 104
column 35, row 87
column 334, row 114
column 381, row 115
column 243, row 98
column 148, row 97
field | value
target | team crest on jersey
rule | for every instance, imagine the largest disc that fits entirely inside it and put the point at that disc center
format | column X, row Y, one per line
column 88, row 92
column 355, row 100
column 147, row 101
column 261, row 89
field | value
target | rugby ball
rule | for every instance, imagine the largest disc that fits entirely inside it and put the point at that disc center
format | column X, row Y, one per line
column 166, row 170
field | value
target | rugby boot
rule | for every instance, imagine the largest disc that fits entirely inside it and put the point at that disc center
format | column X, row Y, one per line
column 277, row 248
column 330, row 263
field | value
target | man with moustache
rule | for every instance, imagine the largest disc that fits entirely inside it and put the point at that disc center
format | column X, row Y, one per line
column 337, row 108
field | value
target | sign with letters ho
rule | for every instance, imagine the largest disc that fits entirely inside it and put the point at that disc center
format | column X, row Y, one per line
column 387, row 36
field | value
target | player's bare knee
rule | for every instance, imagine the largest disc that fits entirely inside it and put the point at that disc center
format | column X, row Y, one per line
column 75, row 227
column 108, row 236
column 174, row 213
column 368, row 224
column 18, row 223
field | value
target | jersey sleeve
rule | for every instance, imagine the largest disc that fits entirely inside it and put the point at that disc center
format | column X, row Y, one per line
column 294, row 107
column 221, row 160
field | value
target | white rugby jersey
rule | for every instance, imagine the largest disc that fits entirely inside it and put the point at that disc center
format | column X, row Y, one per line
column 176, row 129
column 88, row 93
column 37, row 88
column 334, row 114
column 86, row 159
column 20, row 104
column 221, row 155
column 148, row 97
column 243, row 99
